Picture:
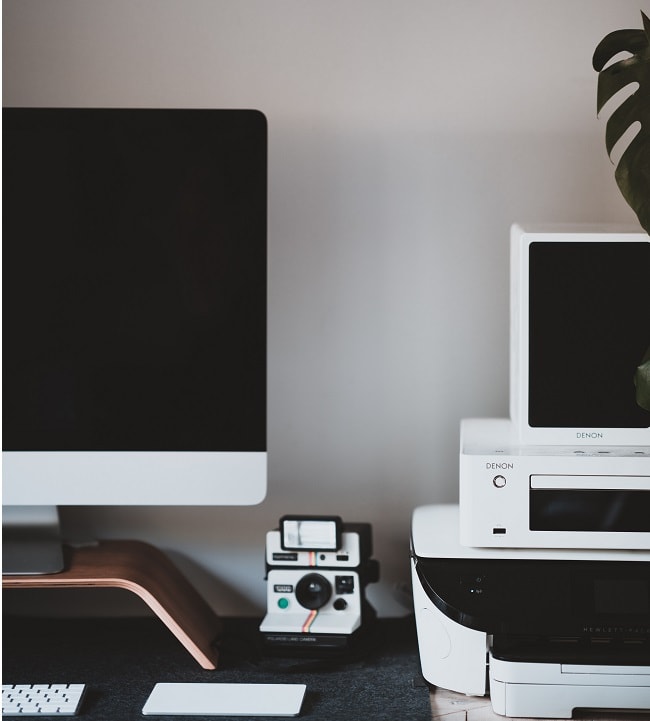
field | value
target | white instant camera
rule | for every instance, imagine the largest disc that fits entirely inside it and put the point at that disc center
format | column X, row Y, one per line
column 317, row 570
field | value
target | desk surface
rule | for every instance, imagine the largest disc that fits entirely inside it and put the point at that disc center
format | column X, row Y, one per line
column 121, row 659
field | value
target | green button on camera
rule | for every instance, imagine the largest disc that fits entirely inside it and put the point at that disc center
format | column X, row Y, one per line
column 283, row 603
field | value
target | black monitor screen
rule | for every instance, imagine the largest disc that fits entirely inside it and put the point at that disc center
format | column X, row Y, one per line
column 134, row 280
column 589, row 328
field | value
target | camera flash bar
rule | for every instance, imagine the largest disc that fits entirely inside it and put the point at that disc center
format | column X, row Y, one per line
column 310, row 533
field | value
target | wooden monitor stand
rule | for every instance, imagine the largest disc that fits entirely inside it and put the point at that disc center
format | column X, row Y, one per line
column 147, row 572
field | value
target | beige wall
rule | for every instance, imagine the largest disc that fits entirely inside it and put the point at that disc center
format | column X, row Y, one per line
column 405, row 137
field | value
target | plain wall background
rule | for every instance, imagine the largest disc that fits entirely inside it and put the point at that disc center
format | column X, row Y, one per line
column 404, row 139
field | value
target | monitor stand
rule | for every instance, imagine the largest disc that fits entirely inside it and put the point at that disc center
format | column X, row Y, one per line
column 144, row 570
column 31, row 540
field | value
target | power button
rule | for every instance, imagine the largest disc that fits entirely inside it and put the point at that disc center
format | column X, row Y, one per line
column 499, row 481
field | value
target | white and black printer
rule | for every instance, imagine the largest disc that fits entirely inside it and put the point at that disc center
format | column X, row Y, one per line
column 536, row 587
column 544, row 632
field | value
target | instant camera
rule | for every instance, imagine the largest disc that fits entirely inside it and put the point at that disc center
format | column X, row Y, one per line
column 317, row 570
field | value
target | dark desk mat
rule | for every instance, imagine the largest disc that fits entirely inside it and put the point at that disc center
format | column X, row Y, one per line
column 121, row 659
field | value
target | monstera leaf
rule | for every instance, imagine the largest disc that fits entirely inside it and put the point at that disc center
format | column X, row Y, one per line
column 633, row 169
column 642, row 382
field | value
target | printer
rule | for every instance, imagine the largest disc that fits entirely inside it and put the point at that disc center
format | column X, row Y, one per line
column 570, row 630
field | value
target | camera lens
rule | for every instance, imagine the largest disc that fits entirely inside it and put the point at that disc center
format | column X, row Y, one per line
column 313, row 591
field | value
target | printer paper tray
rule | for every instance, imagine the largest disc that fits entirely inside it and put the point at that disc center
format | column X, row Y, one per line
column 555, row 690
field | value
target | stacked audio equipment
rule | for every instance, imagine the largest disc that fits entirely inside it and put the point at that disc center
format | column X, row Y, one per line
column 536, row 587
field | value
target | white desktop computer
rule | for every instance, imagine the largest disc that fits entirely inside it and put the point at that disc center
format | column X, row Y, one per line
column 134, row 328
column 134, row 324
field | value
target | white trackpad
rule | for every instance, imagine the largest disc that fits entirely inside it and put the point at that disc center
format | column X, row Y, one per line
column 225, row 699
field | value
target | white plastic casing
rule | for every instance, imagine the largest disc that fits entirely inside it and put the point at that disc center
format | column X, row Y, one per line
column 284, row 612
column 292, row 618
column 555, row 690
column 451, row 656
column 496, row 475
column 348, row 556
column 520, row 240
column 455, row 657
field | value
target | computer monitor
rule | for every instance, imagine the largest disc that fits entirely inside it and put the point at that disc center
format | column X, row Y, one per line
column 134, row 314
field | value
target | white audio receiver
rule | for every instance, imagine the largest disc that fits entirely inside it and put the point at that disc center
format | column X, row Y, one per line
column 514, row 496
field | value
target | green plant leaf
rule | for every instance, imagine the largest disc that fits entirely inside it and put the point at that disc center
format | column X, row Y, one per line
column 633, row 169
column 642, row 382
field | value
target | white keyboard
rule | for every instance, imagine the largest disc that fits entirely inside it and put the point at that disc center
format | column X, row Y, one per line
column 55, row 699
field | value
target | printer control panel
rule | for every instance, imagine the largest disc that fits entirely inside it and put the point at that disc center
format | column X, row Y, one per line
column 550, row 597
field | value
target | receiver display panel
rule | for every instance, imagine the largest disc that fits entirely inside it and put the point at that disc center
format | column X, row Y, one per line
column 590, row 510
